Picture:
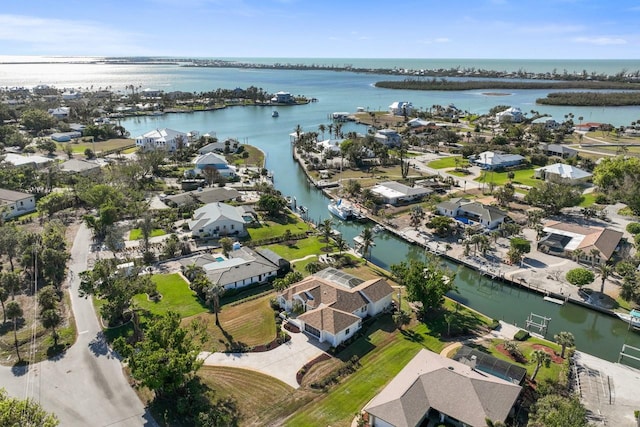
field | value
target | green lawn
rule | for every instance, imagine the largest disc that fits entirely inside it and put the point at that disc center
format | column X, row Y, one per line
column 136, row 233
column 300, row 248
column 447, row 162
column 268, row 229
column 97, row 146
column 522, row 177
column 588, row 200
column 553, row 372
column 176, row 296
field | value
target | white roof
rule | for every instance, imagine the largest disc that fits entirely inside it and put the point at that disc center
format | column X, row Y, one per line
column 162, row 134
column 19, row 160
column 565, row 171
column 210, row 159
column 491, row 158
column 393, row 190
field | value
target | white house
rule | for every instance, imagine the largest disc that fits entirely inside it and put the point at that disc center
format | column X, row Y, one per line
column 469, row 212
column 331, row 304
column 510, row 115
column 213, row 160
column 395, row 193
column 60, row 112
column 218, row 220
column 491, row 160
column 401, row 108
column 26, row 160
column 161, row 139
column 330, row 146
column 283, row 98
column 16, row 203
column 562, row 174
column 388, row 137
column 242, row 267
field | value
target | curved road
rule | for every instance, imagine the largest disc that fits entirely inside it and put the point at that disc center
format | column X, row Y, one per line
column 85, row 386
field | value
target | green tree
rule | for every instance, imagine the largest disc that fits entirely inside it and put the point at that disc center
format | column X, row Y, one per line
column 401, row 318
column 579, row 276
column 618, row 177
column 10, row 236
column 565, row 339
column 47, row 145
column 4, row 295
column 167, row 358
column 553, row 197
column 539, row 358
column 367, row 242
column 14, row 312
column 36, row 121
column 214, row 293
column 521, row 245
column 603, row 270
column 416, row 215
column 272, row 204
column 426, row 282
column 227, row 245
column 24, row 413
column 51, row 319
column 554, row 410
column 442, row 225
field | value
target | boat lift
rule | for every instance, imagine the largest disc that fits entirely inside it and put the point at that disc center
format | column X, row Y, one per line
column 539, row 322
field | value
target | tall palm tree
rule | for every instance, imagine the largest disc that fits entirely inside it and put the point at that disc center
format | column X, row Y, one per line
column 367, row 242
column 325, row 228
column 416, row 215
column 539, row 357
column 594, row 252
column 604, row 270
column 14, row 312
column 565, row 339
column 577, row 254
column 322, row 128
column 214, row 293
column 341, row 244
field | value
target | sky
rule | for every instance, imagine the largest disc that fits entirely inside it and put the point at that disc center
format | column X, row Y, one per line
column 536, row 29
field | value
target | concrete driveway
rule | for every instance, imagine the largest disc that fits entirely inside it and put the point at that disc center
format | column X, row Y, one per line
column 283, row 362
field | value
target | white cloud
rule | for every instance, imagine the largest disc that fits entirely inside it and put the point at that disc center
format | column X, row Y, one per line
column 436, row 40
column 45, row 35
column 600, row 41
column 552, row 29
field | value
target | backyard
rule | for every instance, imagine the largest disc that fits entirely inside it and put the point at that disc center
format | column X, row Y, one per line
column 522, row 177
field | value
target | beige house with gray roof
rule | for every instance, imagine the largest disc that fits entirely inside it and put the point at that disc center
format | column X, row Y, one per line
column 469, row 212
column 434, row 387
column 333, row 303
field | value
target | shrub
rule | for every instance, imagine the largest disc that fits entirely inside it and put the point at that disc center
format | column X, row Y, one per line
column 494, row 324
column 601, row 199
column 521, row 335
column 633, row 227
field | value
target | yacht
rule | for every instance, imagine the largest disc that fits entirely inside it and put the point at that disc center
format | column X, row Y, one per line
column 275, row 113
column 344, row 211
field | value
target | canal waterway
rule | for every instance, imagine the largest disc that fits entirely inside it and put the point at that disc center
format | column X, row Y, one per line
column 595, row 333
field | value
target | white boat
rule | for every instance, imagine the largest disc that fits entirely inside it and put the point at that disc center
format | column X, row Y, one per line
column 377, row 228
column 344, row 211
column 632, row 318
column 275, row 113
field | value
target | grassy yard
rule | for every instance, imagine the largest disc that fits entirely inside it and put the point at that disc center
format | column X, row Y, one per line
column 97, row 146
column 301, row 248
column 256, row 157
column 447, row 162
column 522, row 177
column 136, row 233
column 176, row 296
column 268, row 228
column 250, row 323
column 588, row 200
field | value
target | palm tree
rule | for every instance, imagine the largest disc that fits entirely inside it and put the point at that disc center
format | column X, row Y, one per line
column 341, row 244
column 416, row 215
column 367, row 242
column 322, row 128
column 539, row 357
column 577, row 254
column 14, row 312
column 401, row 318
column 192, row 271
column 214, row 293
column 51, row 319
column 565, row 339
column 604, row 270
column 326, row 228
column 594, row 252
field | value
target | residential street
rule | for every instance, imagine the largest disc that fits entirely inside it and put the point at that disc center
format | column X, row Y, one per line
column 84, row 386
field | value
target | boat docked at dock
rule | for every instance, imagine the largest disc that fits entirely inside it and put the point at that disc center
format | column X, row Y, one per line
column 632, row 318
column 344, row 211
column 275, row 113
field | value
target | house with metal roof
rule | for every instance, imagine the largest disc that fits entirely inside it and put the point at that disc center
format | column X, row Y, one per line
column 561, row 173
column 213, row 160
column 401, row 108
column 218, row 220
column 558, row 150
column 16, row 203
column 203, row 196
column 331, row 304
column 433, row 387
column 161, row 139
column 491, row 160
column 594, row 244
column 395, row 193
column 470, row 212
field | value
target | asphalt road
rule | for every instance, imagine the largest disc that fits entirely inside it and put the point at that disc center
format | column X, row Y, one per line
column 85, row 386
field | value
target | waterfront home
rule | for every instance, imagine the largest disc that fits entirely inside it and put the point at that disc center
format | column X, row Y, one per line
column 395, row 193
column 60, row 112
column 433, row 387
column 401, row 108
column 510, row 115
column 203, row 196
column 218, row 220
column 283, row 98
column 241, row 267
column 470, row 213
column 561, row 173
column 547, row 123
column 388, row 137
column 329, row 146
column 490, row 160
column 213, row 160
column 16, row 203
column 593, row 244
column 161, row 139
column 331, row 304
column 213, row 147
column 558, row 150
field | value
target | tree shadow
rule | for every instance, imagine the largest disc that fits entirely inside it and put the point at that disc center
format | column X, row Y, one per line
column 99, row 346
column 20, row 368
column 57, row 352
